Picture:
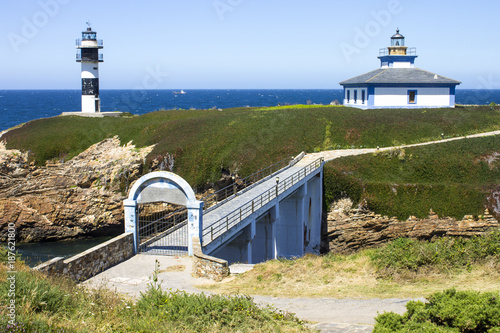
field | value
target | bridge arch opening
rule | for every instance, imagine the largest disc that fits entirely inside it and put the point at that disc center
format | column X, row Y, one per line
column 155, row 227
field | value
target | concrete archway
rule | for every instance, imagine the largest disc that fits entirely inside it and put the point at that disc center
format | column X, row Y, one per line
column 163, row 186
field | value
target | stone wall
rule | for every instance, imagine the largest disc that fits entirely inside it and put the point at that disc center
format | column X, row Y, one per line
column 210, row 267
column 93, row 261
column 353, row 229
column 206, row 266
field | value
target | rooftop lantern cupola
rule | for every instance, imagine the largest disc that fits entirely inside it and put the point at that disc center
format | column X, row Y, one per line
column 397, row 44
column 89, row 34
column 398, row 55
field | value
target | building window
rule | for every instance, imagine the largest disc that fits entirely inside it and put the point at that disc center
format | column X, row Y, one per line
column 348, row 96
column 412, row 96
column 363, row 96
column 355, row 96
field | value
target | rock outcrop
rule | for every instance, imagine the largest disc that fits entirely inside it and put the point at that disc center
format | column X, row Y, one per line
column 354, row 229
column 79, row 197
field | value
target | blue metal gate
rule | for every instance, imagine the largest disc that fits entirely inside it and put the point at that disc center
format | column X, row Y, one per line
column 162, row 229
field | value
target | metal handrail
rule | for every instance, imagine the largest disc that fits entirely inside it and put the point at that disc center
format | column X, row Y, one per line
column 100, row 57
column 219, row 197
column 232, row 219
column 411, row 51
column 383, row 52
column 79, row 42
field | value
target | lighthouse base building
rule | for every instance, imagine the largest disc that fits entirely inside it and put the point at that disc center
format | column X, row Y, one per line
column 398, row 84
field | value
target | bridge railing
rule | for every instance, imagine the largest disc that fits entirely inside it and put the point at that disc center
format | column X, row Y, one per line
column 232, row 219
column 221, row 196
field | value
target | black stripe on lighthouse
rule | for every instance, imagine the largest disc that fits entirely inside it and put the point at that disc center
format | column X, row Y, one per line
column 90, row 87
column 90, row 55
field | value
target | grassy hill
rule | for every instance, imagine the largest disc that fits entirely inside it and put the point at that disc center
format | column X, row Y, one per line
column 454, row 179
column 243, row 140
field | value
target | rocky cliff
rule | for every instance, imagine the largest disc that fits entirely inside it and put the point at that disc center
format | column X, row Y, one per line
column 79, row 197
column 351, row 229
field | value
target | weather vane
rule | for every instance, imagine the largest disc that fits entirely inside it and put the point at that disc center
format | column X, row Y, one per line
column 88, row 24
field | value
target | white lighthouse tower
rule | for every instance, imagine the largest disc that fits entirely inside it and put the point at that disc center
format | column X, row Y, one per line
column 88, row 54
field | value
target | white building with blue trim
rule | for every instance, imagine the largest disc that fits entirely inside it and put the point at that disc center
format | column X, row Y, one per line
column 398, row 83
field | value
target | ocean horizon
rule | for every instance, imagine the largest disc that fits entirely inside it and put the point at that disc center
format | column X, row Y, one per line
column 21, row 106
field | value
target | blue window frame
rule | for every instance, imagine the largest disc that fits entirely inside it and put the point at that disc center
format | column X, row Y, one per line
column 348, row 96
column 363, row 96
column 412, row 97
column 355, row 96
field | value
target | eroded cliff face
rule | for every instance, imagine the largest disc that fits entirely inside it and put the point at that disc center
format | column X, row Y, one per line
column 79, row 197
column 350, row 229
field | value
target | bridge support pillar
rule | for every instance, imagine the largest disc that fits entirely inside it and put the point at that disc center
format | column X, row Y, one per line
column 251, row 236
column 195, row 225
column 301, row 214
column 289, row 225
column 131, row 221
column 274, row 213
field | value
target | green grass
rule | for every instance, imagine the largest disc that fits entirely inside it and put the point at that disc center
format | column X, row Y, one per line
column 46, row 304
column 244, row 140
column 454, row 179
column 295, row 106
column 399, row 269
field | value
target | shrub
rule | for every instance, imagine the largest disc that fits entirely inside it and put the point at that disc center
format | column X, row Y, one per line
column 203, row 313
column 441, row 254
column 447, row 311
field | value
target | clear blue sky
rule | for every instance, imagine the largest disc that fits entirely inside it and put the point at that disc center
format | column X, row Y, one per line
column 239, row 44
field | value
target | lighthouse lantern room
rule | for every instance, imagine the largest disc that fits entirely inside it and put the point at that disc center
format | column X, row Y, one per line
column 88, row 54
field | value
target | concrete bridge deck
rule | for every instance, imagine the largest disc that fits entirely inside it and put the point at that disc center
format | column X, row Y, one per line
column 225, row 221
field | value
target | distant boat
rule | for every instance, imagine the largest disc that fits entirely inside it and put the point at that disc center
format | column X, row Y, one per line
column 182, row 92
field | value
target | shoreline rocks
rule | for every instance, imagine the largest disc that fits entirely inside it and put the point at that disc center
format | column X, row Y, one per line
column 76, row 198
column 351, row 229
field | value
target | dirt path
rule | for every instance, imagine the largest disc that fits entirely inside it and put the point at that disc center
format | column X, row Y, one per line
column 337, row 315
column 333, row 154
column 328, row 315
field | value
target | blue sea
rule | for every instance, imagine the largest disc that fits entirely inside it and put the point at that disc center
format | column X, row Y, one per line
column 20, row 106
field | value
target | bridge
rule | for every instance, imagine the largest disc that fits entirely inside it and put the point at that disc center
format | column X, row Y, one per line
column 275, row 213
